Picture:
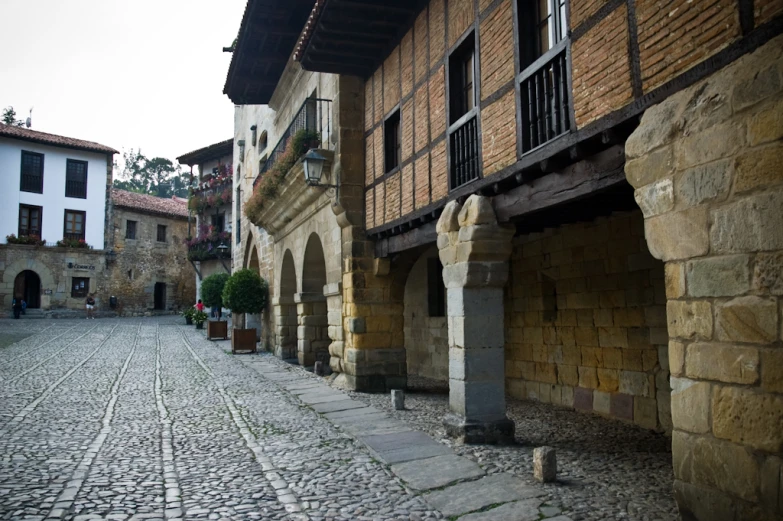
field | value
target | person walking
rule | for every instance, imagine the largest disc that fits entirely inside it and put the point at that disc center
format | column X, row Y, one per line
column 16, row 305
column 200, row 305
column 90, row 306
column 24, row 307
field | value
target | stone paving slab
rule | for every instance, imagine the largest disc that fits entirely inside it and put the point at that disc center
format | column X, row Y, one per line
column 437, row 472
column 311, row 390
column 314, row 398
column 388, row 442
column 526, row 510
column 472, row 496
column 380, row 425
column 342, row 405
column 413, row 453
column 353, row 413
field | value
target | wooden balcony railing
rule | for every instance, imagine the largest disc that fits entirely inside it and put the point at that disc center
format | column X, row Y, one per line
column 545, row 99
column 464, row 151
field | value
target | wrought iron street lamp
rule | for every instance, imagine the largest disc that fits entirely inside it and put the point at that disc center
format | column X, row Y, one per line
column 313, row 163
column 222, row 249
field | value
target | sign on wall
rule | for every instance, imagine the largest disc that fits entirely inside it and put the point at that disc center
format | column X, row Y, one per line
column 80, row 267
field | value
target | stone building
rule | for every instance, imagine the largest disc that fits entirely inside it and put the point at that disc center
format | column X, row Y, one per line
column 211, row 205
column 151, row 272
column 53, row 208
column 574, row 202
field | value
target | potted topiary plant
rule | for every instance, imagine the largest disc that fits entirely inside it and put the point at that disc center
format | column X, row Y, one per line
column 245, row 292
column 199, row 317
column 188, row 314
column 212, row 296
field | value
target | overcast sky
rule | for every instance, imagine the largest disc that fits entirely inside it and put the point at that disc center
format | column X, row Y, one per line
column 124, row 73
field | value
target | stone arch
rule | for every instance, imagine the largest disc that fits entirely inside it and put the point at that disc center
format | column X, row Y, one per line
column 425, row 325
column 27, row 286
column 44, row 274
column 285, row 310
column 253, row 263
column 313, row 331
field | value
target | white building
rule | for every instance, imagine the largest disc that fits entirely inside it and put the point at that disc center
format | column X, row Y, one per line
column 54, row 187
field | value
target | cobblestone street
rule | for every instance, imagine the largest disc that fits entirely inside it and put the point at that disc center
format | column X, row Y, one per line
column 145, row 419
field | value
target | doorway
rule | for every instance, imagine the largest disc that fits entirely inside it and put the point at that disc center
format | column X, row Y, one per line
column 160, row 296
column 27, row 286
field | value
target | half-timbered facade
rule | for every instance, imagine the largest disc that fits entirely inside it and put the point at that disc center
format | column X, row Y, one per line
column 575, row 202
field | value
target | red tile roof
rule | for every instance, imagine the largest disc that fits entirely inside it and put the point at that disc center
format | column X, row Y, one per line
column 174, row 207
column 202, row 155
column 25, row 134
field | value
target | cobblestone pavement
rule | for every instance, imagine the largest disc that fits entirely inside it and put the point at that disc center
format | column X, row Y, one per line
column 136, row 419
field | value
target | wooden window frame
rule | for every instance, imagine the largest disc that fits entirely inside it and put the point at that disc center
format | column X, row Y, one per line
column 462, row 103
column 22, row 187
column 392, row 141
column 161, row 227
column 83, row 235
column 68, row 165
column 127, row 229
column 30, row 207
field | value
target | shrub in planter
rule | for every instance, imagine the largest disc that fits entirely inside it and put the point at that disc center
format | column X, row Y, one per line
column 199, row 317
column 245, row 292
column 188, row 314
column 212, row 296
column 32, row 240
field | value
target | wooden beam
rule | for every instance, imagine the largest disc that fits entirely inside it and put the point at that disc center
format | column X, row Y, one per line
column 422, row 235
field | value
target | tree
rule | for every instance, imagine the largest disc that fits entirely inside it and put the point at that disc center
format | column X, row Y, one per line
column 245, row 292
column 212, row 290
column 9, row 117
column 156, row 176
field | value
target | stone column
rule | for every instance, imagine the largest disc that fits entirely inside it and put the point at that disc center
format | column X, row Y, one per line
column 474, row 251
column 285, row 330
column 334, row 315
column 706, row 166
column 311, row 333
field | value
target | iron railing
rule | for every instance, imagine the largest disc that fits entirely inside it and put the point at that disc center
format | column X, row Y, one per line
column 464, row 151
column 545, row 101
column 32, row 182
column 315, row 114
column 76, row 189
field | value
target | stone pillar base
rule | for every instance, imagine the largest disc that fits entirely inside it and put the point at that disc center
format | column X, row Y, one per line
column 471, row 432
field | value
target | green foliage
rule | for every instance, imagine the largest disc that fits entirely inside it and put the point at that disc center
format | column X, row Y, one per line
column 73, row 243
column 188, row 312
column 270, row 183
column 9, row 117
column 212, row 289
column 156, row 176
column 199, row 317
column 32, row 240
column 245, row 292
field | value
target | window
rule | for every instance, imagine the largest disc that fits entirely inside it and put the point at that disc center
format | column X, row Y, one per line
column 542, row 25
column 29, row 220
column 543, row 83
column 130, row 230
column 161, row 233
column 461, row 75
column 392, row 141
column 238, row 229
column 32, row 172
column 262, row 141
column 76, row 179
column 80, row 287
column 219, row 222
column 74, row 225
column 436, row 289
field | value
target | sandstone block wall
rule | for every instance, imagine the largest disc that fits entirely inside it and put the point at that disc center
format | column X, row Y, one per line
column 586, row 321
column 706, row 167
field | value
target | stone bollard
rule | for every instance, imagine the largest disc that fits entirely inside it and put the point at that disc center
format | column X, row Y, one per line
column 319, row 368
column 544, row 464
column 398, row 399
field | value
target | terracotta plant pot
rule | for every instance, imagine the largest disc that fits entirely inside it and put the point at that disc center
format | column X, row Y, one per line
column 217, row 329
column 243, row 340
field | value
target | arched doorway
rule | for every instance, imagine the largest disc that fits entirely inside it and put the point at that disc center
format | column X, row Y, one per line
column 313, row 331
column 253, row 263
column 285, row 310
column 27, row 286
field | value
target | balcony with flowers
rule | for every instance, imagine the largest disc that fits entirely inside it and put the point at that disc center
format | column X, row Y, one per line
column 206, row 245
column 213, row 190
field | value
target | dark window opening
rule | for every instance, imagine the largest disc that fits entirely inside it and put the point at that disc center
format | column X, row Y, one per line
column 130, row 230
column 462, row 92
column 80, row 287
column 76, row 179
column 161, row 233
column 30, row 220
column 238, row 229
column 74, row 225
column 219, row 222
column 130, row 274
column 436, row 289
column 392, row 141
column 160, row 296
column 262, row 141
column 32, row 172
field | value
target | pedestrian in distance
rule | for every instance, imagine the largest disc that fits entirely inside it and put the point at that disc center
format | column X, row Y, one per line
column 16, row 305
column 89, row 304
column 200, row 305
column 24, row 307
